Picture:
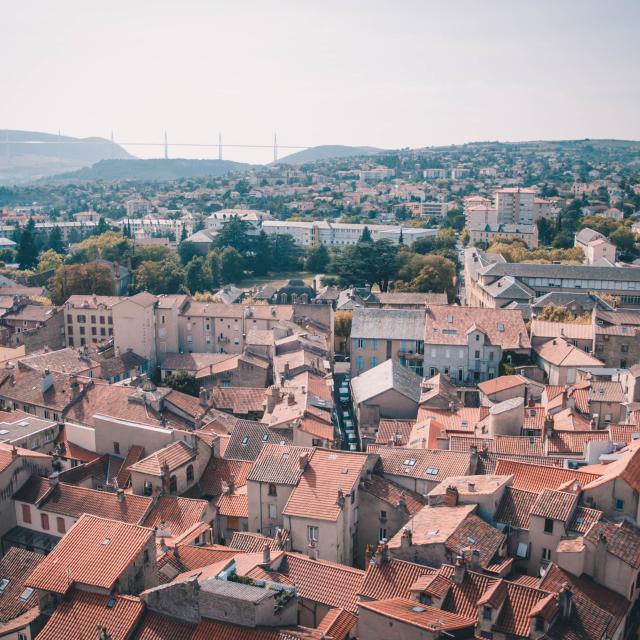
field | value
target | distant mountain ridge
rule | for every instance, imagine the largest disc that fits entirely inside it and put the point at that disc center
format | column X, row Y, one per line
column 29, row 155
column 150, row 170
column 327, row 152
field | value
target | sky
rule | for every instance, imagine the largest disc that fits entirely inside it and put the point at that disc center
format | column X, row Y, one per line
column 390, row 74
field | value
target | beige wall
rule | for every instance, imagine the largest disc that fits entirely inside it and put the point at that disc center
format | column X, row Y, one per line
column 259, row 506
column 109, row 430
column 604, row 497
column 539, row 540
column 379, row 349
column 134, row 328
column 99, row 318
column 376, row 627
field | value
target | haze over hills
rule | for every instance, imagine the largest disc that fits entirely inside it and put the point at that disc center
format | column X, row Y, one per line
column 150, row 170
column 327, row 152
column 22, row 161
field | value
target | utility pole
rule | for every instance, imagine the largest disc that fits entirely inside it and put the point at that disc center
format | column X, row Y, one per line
column 166, row 147
column 275, row 147
column 219, row 146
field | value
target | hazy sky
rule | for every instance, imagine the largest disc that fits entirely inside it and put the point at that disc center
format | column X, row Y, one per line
column 388, row 74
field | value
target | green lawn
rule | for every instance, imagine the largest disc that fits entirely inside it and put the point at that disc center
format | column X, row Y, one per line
column 276, row 280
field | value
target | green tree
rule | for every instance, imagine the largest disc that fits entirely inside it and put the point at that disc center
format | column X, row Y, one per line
column 56, row 241
column 436, row 275
column 624, row 239
column 198, row 278
column 160, row 277
column 231, row 266
column 49, row 260
column 187, row 251
column 110, row 245
column 235, row 234
column 78, row 279
column 262, row 255
column 101, row 227
column 286, row 252
column 151, row 252
column 27, row 256
column 184, row 382
column 366, row 235
column 213, row 264
column 183, row 234
column 317, row 258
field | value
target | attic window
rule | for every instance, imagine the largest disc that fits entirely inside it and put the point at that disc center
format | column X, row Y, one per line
column 4, row 583
column 410, row 462
column 471, row 540
column 579, row 520
column 522, row 550
column 344, row 471
column 24, row 423
column 500, row 326
column 432, row 471
column 111, row 603
column 532, row 413
column 3, row 432
column 265, row 437
column 449, row 317
column 433, row 533
column 26, row 594
column 332, row 456
column 245, row 440
column 532, row 440
column 105, row 542
column 449, row 331
column 418, row 609
column 464, row 423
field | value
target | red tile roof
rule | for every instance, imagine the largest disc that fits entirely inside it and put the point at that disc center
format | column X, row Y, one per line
column 394, row 430
column 175, row 515
column 157, row 627
column 211, row 629
column 238, row 400
column 134, row 454
column 219, row 471
column 557, row 505
column 9, row 453
column 235, row 505
column 280, row 464
column 95, row 551
column 80, row 615
column 536, row 477
column 433, row 465
column 419, row 615
column 173, row 455
column 392, row 578
column 501, row 383
column 515, row 615
column 337, row 624
column 622, row 540
column 16, row 566
column 515, row 507
column 328, row 472
column 393, row 494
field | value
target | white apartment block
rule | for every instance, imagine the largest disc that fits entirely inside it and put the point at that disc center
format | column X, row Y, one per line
column 528, row 233
column 339, row 234
column 154, row 227
column 515, row 205
column 253, row 217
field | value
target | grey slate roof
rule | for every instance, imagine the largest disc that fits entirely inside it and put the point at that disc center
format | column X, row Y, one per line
column 388, row 324
column 571, row 271
column 248, row 437
column 387, row 375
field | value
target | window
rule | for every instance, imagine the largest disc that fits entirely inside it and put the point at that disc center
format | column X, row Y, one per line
column 273, row 511
column 382, row 534
column 26, row 513
column 374, row 362
column 26, row 594
column 312, row 534
column 93, row 319
column 60, row 525
column 272, row 490
column 116, row 448
column 548, row 525
column 359, row 363
column 477, row 337
column 145, row 556
column 361, row 343
column 486, row 613
column 147, row 488
column 173, row 485
column 374, row 344
column 619, row 504
column 190, row 473
column 546, row 554
column 44, row 521
column 477, row 355
column 383, row 515
column 624, row 348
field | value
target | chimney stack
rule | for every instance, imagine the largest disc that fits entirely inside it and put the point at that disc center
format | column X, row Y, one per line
column 458, row 570
column 266, row 554
column 303, row 461
column 564, row 600
column 451, row 496
column 204, row 398
column 406, row 540
column 340, row 500
column 120, row 494
column 313, row 551
column 475, row 560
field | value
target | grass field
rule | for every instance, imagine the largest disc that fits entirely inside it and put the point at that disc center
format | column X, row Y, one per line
column 276, row 280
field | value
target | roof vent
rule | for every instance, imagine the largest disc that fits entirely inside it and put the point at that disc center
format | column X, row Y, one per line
column 105, row 542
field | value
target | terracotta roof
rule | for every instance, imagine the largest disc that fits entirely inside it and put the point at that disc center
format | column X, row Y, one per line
column 387, row 430
column 25, row 387
column 73, row 501
column 254, row 542
column 515, row 507
column 157, row 627
column 624, row 433
column 622, row 540
column 501, row 383
column 135, row 454
column 98, row 472
column 392, row 578
column 280, row 464
column 16, row 566
column 574, row 442
column 606, row 391
column 433, row 465
column 234, row 505
column 337, row 624
column 419, row 615
column 95, row 551
column 462, row 598
column 393, row 494
column 515, row 614
column 218, row 472
column 328, row 472
column 462, row 419
column 583, row 518
column 208, row 629
column 173, row 455
column 536, row 477
column 474, row 534
column 80, row 615
column 193, row 557
column 627, row 467
column 248, row 438
column 238, row 400
column 502, row 327
column 317, row 428
column 328, row 583
column 557, row 505
column 562, row 354
column 173, row 516
column 512, row 445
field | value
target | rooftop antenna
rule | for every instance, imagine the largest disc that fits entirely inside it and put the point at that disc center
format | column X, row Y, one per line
column 275, row 147
column 219, row 146
column 166, row 147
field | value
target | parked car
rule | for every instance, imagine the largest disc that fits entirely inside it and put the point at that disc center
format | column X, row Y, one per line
column 353, row 446
column 348, row 425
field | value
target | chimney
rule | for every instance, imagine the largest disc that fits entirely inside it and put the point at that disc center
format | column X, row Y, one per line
column 458, row 570
column 102, row 633
column 313, row 551
column 120, row 494
column 231, row 483
column 303, row 460
column 291, row 398
column 451, row 496
column 475, row 560
column 406, row 540
column 285, row 373
column 273, row 395
column 548, row 426
column 471, row 486
column 266, row 554
column 204, row 398
column 14, row 452
column 340, row 499
column 47, row 381
column 368, row 556
column 564, row 600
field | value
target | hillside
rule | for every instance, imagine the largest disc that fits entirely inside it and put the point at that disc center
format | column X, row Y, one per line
column 150, row 170
column 327, row 152
column 29, row 155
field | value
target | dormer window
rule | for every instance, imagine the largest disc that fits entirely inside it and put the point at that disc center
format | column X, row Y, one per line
column 487, row 612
